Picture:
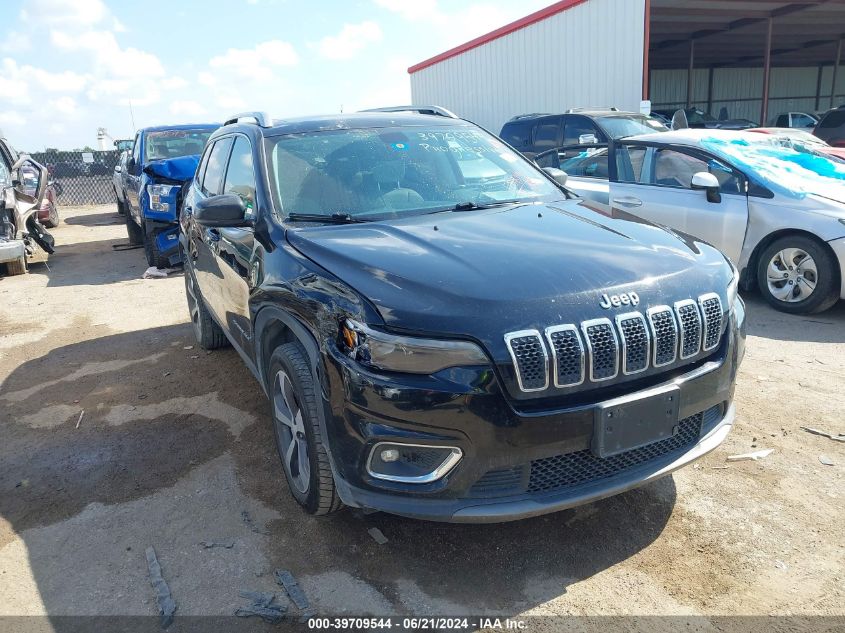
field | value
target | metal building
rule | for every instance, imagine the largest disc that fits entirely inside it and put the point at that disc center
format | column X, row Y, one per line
column 752, row 58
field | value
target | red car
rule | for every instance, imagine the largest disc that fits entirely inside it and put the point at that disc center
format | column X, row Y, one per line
column 48, row 214
column 801, row 137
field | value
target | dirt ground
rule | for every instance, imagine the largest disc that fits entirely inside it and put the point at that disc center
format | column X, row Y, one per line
column 175, row 444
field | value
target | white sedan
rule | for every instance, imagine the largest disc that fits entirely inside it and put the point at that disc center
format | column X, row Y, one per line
column 777, row 212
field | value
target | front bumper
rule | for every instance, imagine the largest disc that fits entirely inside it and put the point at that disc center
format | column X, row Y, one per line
column 838, row 247
column 11, row 251
column 516, row 463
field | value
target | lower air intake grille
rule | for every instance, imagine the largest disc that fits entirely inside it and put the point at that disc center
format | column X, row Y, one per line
column 496, row 483
column 573, row 469
column 529, row 357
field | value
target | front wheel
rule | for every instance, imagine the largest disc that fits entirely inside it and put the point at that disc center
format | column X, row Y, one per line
column 797, row 274
column 151, row 250
column 209, row 335
column 293, row 405
column 135, row 232
column 16, row 267
column 52, row 220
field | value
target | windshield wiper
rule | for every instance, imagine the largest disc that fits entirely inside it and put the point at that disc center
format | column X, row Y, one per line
column 334, row 218
column 469, row 205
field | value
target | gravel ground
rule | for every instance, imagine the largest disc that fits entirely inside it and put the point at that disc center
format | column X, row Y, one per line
column 175, row 444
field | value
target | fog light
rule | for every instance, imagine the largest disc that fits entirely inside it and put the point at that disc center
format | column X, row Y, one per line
column 389, row 455
column 411, row 463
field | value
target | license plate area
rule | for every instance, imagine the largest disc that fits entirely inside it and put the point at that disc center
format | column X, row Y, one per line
column 629, row 422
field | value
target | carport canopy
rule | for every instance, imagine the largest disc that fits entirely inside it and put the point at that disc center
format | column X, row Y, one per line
column 745, row 33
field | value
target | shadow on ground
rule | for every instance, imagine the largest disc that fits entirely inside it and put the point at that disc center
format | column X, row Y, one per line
column 157, row 415
column 766, row 322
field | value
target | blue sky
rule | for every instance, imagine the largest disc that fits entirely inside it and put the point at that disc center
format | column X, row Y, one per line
column 68, row 67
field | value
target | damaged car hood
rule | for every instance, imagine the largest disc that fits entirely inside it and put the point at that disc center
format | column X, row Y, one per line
column 505, row 269
column 179, row 169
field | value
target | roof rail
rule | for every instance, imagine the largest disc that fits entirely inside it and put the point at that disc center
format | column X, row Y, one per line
column 530, row 115
column 610, row 108
column 262, row 119
column 427, row 109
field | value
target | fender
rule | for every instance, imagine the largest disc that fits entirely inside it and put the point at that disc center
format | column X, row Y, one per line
column 304, row 336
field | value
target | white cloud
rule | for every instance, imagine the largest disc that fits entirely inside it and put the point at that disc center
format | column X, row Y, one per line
column 206, row 78
column 108, row 55
column 351, row 39
column 65, row 105
column 14, row 87
column 15, row 42
column 412, row 11
column 173, row 83
column 230, row 102
column 258, row 62
column 64, row 12
column 191, row 108
column 12, row 118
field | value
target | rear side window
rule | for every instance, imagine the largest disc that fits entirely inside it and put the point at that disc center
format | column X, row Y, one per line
column 547, row 134
column 833, row 119
column 213, row 178
column 240, row 176
column 802, row 120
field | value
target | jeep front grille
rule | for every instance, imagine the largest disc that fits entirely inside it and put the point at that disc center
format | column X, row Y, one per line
column 530, row 359
column 711, row 310
column 689, row 319
column 599, row 349
column 604, row 349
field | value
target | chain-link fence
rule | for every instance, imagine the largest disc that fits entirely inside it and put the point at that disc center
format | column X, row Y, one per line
column 81, row 177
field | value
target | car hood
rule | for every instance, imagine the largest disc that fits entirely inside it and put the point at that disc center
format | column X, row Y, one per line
column 729, row 124
column 180, row 169
column 480, row 274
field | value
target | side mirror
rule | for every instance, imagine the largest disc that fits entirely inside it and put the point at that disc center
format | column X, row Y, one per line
column 706, row 181
column 558, row 175
column 117, row 169
column 679, row 120
column 227, row 209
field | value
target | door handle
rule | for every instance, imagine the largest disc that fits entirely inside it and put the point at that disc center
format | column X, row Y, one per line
column 628, row 201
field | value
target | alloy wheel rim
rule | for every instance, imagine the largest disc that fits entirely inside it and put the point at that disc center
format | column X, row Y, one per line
column 792, row 275
column 291, row 429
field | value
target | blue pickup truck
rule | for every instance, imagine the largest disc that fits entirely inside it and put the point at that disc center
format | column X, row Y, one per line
column 163, row 159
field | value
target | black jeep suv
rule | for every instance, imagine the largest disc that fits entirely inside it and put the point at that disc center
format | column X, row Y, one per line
column 444, row 331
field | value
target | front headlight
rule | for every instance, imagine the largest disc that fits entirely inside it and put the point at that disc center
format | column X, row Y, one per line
column 406, row 353
column 162, row 196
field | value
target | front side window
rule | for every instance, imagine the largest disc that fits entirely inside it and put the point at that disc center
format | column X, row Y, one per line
column 174, row 143
column 833, row 119
column 585, row 162
column 379, row 173
column 578, row 128
column 240, row 175
column 802, row 120
column 675, row 169
column 213, row 178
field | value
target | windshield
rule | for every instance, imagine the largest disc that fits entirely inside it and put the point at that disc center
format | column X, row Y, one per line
column 378, row 173
column 622, row 126
column 694, row 115
column 174, row 143
column 793, row 171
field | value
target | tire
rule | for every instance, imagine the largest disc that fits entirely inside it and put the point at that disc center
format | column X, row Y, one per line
column 154, row 256
column 53, row 219
column 209, row 335
column 294, row 397
column 121, row 208
column 16, row 267
column 798, row 275
column 135, row 232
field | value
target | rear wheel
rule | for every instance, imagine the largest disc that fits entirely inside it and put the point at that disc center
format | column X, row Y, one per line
column 294, row 401
column 135, row 232
column 52, row 220
column 797, row 274
column 209, row 335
